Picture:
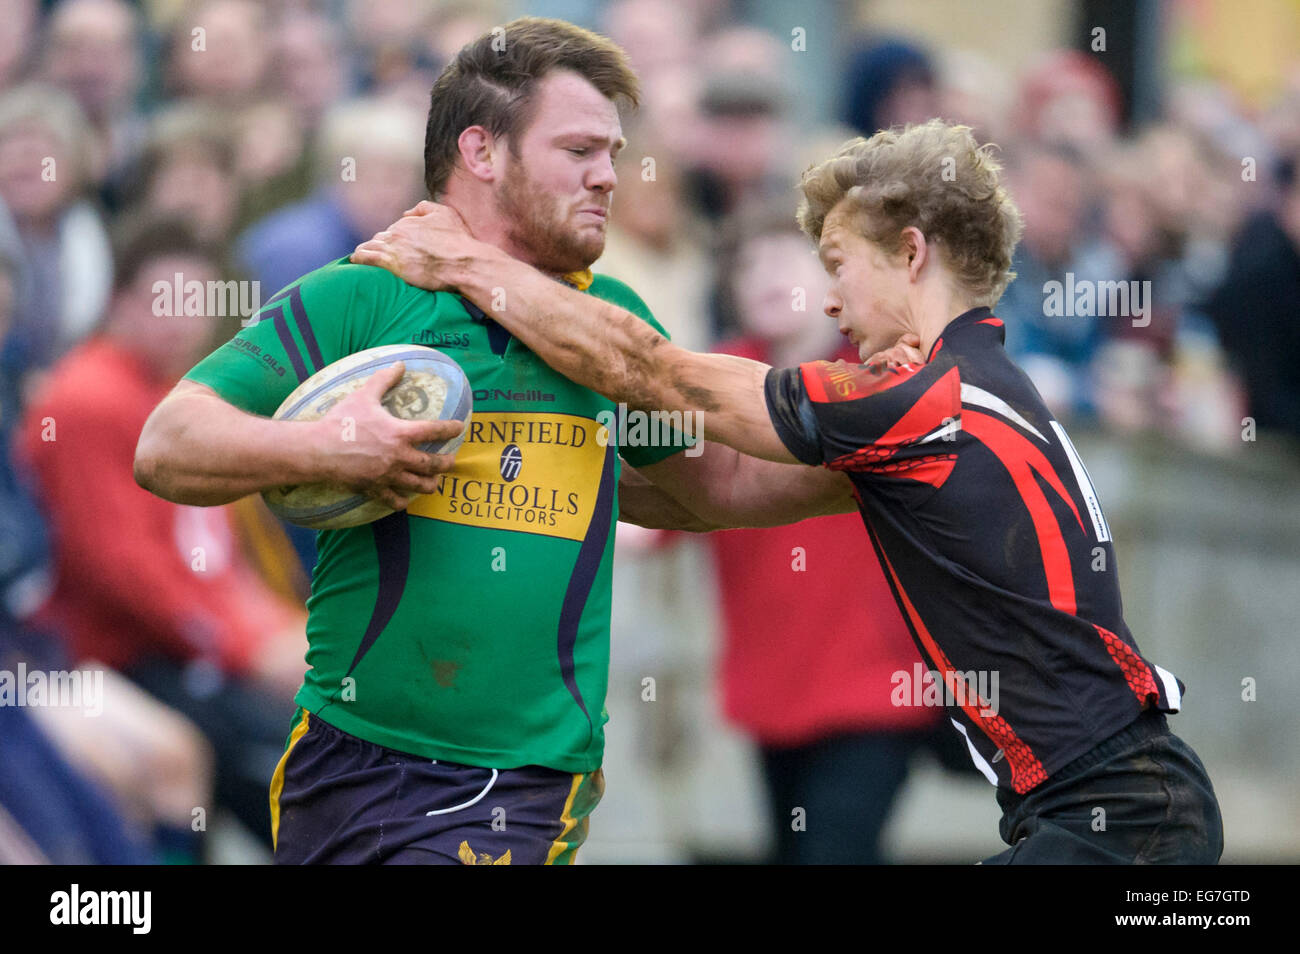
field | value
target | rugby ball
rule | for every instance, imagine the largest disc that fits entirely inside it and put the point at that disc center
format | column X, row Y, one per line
column 434, row 388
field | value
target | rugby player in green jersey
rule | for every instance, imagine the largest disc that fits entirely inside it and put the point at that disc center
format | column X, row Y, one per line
column 453, row 710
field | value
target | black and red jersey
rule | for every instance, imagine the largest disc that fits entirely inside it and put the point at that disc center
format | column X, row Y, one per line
column 992, row 539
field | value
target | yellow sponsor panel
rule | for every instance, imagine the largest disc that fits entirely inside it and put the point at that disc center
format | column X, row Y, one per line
column 536, row 473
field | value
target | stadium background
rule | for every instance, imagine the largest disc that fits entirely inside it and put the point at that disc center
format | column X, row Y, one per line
column 1147, row 141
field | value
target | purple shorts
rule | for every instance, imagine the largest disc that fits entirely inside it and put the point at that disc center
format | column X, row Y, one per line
column 337, row 799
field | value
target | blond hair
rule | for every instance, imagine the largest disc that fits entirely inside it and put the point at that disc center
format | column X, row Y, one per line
column 933, row 176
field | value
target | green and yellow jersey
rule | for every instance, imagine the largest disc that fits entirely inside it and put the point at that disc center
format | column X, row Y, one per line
column 474, row 626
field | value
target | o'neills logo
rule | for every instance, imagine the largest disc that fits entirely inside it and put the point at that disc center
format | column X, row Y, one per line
column 841, row 379
column 504, row 394
column 536, row 473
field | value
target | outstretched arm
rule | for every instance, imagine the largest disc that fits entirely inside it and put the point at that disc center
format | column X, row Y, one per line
column 610, row 350
column 589, row 341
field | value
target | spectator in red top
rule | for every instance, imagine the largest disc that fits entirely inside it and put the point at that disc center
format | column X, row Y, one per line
column 159, row 591
column 800, row 672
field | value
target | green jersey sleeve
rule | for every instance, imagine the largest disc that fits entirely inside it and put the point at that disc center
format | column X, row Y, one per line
column 619, row 293
column 324, row 316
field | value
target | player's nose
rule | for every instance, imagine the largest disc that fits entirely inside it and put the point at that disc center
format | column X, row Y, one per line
column 832, row 305
column 602, row 177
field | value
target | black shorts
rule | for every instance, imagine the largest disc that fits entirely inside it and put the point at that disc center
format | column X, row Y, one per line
column 337, row 799
column 1140, row 797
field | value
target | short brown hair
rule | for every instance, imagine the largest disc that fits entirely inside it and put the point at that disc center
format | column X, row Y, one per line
column 932, row 176
column 492, row 81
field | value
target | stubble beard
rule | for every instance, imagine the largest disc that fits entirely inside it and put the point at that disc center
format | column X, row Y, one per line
column 538, row 225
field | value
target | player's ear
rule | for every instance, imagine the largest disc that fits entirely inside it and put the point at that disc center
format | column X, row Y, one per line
column 915, row 249
column 479, row 152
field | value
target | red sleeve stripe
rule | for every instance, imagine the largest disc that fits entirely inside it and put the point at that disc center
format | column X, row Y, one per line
column 813, row 382
column 940, row 403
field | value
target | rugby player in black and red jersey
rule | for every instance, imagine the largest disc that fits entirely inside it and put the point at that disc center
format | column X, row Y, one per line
column 980, row 510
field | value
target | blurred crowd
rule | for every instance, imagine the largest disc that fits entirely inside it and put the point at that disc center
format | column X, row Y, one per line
column 256, row 141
